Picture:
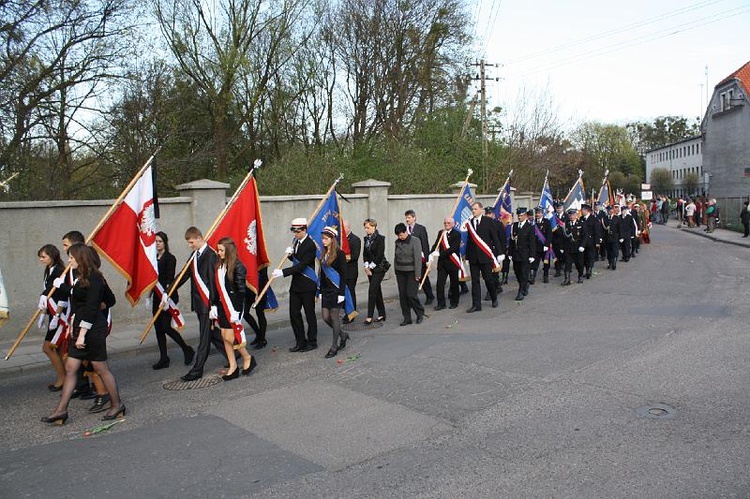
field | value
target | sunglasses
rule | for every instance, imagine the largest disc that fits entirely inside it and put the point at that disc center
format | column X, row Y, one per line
column 296, row 229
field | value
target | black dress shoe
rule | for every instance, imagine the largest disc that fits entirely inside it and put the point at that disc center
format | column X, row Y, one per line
column 115, row 414
column 420, row 319
column 254, row 342
column 54, row 388
column 58, row 420
column 405, row 323
column 495, row 304
column 260, row 345
column 253, row 365
column 440, row 307
column 429, row 300
column 99, row 403
column 519, row 296
column 473, row 309
column 453, row 306
column 331, row 353
column 190, row 377
column 295, row 348
column 189, row 356
column 307, row 348
column 162, row 364
column 235, row 374
column 313, row 345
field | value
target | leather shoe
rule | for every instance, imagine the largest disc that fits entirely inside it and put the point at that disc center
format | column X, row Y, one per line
column 307, row 348
column 260, row 345
column 405, row 323
column 190, row 377
column 420, row 319
column 453, row 306
column 331, row 353
column 429, row 300
column 473, row 309
column 495, row 304
column 295, row 348
column 162, row 364
column 440, row 307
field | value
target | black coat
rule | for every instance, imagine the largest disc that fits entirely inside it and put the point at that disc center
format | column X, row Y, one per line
column 327, row 287
column 235, row 288
column 627, row 227
column 454, row 246
column 420, row 232
column 305, row 256
column 593, row 234
column 487, row 231
column 612, row 228
column 522, row 241
column 85, row 302
column 575, row 235
column 206, row 267
column 546, row 229
column 50, row 274
column 166, row 265
column 373, row 250
column 355, row 249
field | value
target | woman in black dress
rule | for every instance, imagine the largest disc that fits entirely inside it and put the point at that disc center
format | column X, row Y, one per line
column 373, row 256
column 332, row 278
column 227, row 300
column 49, row 256
column 88, row 333
column 163, row 325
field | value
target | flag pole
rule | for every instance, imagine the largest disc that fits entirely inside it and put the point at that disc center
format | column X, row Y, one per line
column 102, row 221
column 283, row 259
column 256, row 164
column 499, row 194
column 455, row 205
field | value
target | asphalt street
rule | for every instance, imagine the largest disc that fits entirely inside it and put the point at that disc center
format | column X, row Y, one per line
column 632, row 384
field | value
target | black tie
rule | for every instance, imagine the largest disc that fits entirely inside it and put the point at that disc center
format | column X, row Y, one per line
column 296, row 245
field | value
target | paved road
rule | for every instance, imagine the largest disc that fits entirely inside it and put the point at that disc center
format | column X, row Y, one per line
column 542, row 398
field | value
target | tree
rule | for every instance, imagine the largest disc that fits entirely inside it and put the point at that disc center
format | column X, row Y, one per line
column 691, row 183
column 663, row 131
column 661, row 180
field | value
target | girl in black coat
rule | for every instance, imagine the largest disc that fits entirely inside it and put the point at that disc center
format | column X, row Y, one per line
column 332, row 278
column 49, row 256
column 163, row 326
column 373, row 256
column 227, row 301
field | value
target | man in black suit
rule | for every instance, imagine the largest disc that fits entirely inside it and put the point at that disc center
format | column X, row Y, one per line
column 420, row 232
column 304, row 285
column 543, row 234
column 446, row 250
column 611, row 227
column 593, row 239
column 522, row 250
column 201, row 276
column 483, row 248
column 627, row 232
column 558, row 238
column 352, row 265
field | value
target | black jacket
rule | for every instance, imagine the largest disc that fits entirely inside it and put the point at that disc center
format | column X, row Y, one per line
column 454, row 246
column 327, row 287
column 235, row 288
column 305, row 256
column 166, row 265
column 487, row 231
column 355, row 249
column 373, row 250
column 522, row 241
column 420, row 232
column 546, row 229
column 206, row 266
column 85, row 302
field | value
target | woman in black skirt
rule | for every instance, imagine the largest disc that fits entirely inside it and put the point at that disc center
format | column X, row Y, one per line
column 332, row 278
column 88, row 333
column 49, row 256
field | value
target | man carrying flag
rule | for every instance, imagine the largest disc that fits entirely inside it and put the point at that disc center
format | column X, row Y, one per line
column 447, row 249
column 484, row 253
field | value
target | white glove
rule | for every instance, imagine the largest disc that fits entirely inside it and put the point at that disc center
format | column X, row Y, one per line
column 43, row 302
column 164, row 300
column 435, row 254
column 341, row 299
column 500, row 258
column 622, row 240
column 581, row 249
column 531, row 259
column 366, row 265
column 53, row 323
column 235, row 317
column 372, row 265
column 545, row 248
column 277, row 273
column 288, row 250
column 40, row 322
column 562, row 251
column 510, row 258
column 58, row 282
column 213, row 313
column 429, row 259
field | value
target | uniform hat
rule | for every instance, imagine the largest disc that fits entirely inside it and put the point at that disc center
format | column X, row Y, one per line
column 330, row 231
column 572, row 211
column 521, row 211
column 488, row 209
column 298, row 224
column 609, row 208
column 539, row 209
column 585, row 206
column 530, row 212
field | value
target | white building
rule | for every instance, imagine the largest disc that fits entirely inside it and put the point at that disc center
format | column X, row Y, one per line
column 680, row 159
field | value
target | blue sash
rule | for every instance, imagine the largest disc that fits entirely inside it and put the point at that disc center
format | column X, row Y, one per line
column 539, row 235
column 308, row 272
column 333, row 276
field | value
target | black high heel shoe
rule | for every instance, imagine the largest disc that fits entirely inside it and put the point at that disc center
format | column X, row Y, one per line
column 58, row 420
column 344, row 339
column 234, row 375
column 99, row 403
column 331, row 353
column 260, row 345
column 253, row 365
column 119, row 412
column 162, row 364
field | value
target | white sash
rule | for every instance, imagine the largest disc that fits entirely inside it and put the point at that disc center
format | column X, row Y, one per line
column 199, row 284
column 229, row 310
column 481, row 244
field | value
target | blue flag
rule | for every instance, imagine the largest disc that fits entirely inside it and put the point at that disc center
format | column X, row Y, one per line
column 547, row 204
column 605, row 194
column 576, row 197
column 462, row 213
column 329, row 215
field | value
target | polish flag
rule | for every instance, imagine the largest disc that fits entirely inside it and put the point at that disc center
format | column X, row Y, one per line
column 128, row 238
column 243, row 222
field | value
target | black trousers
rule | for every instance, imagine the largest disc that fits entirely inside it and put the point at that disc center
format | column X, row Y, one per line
column 207, row 335
column 747, row 228
column 259, row 327
column 375, row 295
column 162, row 329
column 297, row 302
column 613, row 250
column 408, row 287
column 574, row 257
column 445, row 272
column 485, row 270
column 427, row 287
column 589, row 257
column 625, row 247
column 521, row 268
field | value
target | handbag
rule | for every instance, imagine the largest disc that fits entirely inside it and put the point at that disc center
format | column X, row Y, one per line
column 384, row 265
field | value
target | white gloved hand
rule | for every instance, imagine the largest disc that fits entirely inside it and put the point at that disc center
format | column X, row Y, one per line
column 288, row 250
column 277, row 273
column 545, row 248
column 562, row 251
column 164, row 300
column 213, row 313
column 435, row 254
column 531, row 259
column 341, row 299
column 366, row 265
column 622, row 240
column 581, row 249
column 500, row 258
column 372, row 265
column 429, row 259
column 42, row 302
column 58, row 282
column 235, row 317
column 54, row 322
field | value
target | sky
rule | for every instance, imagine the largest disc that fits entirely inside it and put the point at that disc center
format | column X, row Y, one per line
column 611, row 61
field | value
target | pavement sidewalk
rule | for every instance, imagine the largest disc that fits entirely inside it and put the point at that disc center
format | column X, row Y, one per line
column 123, row 340
column 718, row 235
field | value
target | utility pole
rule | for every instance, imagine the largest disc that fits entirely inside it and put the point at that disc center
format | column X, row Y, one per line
column 482, row 77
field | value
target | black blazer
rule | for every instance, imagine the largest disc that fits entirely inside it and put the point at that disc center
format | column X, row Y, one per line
column 487, row 231
column 326, row 286
column 374, row 250
column 352, row 265
column 454, row 245
column 305, row 256
column 166, row 265
column 50, row 274
column 593, row 230
column 235, row 288
column 523, row 241
column 546, row 229
column 206, row 267
column 85, row 302
column 420, row 232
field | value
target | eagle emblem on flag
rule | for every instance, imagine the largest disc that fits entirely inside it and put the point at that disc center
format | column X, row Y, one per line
column 251, row 241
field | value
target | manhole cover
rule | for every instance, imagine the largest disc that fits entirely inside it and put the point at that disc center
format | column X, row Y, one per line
column 657, row 411
column 361, row 326
column 204, row 382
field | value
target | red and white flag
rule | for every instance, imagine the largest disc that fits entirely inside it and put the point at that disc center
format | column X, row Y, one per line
column 128, row 238
column 244, row 224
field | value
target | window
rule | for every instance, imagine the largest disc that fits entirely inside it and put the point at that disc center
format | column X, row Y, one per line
column 722, row 101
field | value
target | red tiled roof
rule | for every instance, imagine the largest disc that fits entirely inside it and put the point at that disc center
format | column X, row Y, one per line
column 742, row 74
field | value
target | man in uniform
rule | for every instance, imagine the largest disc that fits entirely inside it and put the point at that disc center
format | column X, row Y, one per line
column 627, row 232
column 522, row 250
column 303, row 288
column 483, row 252
column 543, row 233
column 593, row 239
column 611, row 224
column 420, row 232
column 600, row 212
column 446, row 251
column 636, row 214
column 558, row 239
column 575, row 235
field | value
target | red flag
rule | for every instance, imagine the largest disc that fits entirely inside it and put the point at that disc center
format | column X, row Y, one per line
column 244, row 224
column 128, row 238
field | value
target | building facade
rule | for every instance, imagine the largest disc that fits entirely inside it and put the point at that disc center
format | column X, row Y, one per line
column 684, row 161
